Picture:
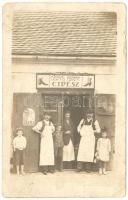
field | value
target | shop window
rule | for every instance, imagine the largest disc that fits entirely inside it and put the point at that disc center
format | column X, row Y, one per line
column 28, row 117
column 50, row 101
column 105, row 104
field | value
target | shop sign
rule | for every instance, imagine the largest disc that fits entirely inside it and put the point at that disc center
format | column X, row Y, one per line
column 65, row 81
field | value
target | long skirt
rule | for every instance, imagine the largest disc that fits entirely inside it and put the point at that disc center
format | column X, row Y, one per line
column 68, row 152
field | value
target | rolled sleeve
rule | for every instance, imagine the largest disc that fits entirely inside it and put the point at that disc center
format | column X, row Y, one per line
column 37, row 127
column 97, row 127
column 79, row 126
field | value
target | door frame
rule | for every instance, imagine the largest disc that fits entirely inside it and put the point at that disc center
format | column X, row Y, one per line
column 62, row 94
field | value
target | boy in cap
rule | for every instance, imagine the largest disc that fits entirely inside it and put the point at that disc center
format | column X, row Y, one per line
column 19, row 145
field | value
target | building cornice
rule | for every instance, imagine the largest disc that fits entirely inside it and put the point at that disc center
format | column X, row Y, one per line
column 89, row 60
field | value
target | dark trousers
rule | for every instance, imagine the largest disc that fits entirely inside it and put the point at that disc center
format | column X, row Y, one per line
column 68, row 164
column 59, row 158
column 84, row 166
column 19, row 157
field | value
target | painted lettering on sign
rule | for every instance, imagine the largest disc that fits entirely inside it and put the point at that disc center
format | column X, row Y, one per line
column 65, row 81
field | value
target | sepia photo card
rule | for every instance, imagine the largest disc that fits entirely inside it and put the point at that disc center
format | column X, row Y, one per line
column 64, row 91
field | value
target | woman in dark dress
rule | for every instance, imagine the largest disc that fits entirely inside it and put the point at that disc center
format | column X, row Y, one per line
column 68, row 150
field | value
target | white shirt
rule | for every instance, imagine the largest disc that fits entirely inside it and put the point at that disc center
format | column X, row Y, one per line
column 19, row 142
column 39, row 125
column 96, row 123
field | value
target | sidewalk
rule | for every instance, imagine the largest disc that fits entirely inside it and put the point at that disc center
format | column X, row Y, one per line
column 61, row 184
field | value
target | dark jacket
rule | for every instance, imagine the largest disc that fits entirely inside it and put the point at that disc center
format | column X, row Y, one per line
column 58, row 139
column 68, row 127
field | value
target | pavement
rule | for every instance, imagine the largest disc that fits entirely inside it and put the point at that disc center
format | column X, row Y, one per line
column 61, row 184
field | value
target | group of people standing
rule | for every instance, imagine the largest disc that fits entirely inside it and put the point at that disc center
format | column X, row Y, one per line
column 57, row 144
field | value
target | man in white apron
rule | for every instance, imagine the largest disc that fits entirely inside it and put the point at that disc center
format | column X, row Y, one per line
column 46, row 128
column 87, row 128
column 68, row 150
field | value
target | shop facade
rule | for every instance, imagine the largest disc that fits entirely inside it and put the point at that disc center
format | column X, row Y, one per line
column 57, row 92
column 55, row 82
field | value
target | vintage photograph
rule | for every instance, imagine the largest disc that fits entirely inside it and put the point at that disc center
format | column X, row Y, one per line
column 65, row 107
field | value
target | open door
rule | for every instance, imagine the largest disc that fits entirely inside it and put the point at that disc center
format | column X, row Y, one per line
column 25, row 115
column 77, row 105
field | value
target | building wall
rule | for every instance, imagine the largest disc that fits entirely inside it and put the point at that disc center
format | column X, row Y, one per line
column 24, row 81
column 24, row 75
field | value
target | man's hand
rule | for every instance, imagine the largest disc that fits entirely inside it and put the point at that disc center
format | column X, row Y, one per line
column 39, row 132
column 68, row 132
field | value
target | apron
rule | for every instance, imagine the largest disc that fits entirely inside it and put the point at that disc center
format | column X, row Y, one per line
column 68, row 152
column 46, row 147
column 87, row 144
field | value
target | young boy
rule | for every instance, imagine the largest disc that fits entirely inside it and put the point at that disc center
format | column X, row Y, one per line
column 19, row 145
column 58, row 144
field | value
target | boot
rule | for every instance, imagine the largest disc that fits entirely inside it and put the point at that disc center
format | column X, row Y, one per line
column 45, row 170
column 88, row 167
column 51, row 169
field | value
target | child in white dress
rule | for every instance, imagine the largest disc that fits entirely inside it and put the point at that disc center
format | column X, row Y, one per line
column 103, row 151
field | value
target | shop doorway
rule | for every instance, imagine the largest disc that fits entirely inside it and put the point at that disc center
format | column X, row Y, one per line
column 77, row 105
column 58, row 105
column 28, row 109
